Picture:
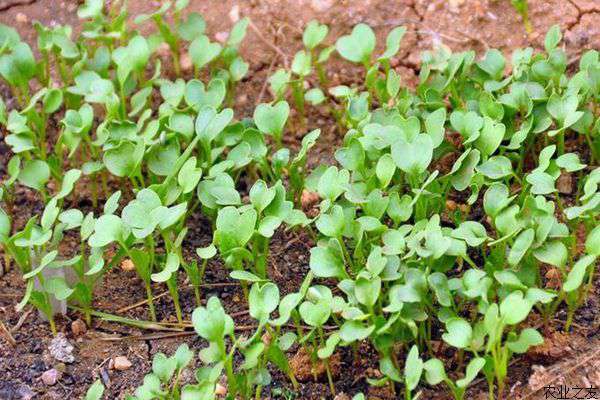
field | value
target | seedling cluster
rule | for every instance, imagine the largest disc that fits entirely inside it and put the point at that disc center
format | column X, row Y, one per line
column 445, row 217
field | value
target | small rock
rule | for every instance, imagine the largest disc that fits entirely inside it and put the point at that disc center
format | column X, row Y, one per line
column 127, row 265
column 321, row 5
column 433, row 6
column 220, row 390
column 78, row 327
column 50, row 377
column 122, row 363
column 186, row 62
column 533, row 36
column 454, row 5
column 60, row 349
column 234, row 13
column 222, row 36
column 373, row 373
column 21, row 18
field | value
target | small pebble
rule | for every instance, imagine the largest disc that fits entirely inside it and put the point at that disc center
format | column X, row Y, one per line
column 78, row 327
column 234, row 13
column 122, row 363
column 186, row 62
column 127, row 265
column 220, row 390
column 21, row 18
column 321, row 5
column 60, row 349
column 50, row 377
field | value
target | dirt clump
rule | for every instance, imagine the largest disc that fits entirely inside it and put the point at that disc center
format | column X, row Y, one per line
column 305, row 369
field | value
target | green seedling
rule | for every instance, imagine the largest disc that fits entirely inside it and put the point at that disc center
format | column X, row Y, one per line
column 28, row 130
column 143, row 217
column 297, row 166
column 500, row 321
column 17, row 65
column 35, row 250
column 95, row 392
column 271, row 119
column 242, row 233
column 316, row 311
column 167, row 33
column 435, row 374
column 164, row 382
column 522, row 7
column 263, row 346
column 413, row 370
column 585, row 266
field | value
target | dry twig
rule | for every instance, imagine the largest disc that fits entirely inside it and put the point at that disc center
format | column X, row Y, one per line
column 21, row 321
column 9, row 338
column 158, row 296
column 270, row 45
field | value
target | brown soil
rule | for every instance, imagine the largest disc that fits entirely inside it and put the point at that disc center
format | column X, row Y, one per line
column 460, row 24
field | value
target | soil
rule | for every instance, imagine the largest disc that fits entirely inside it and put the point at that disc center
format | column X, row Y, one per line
column 572, row 360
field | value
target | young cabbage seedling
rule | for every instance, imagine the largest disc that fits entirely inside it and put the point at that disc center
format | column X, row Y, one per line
column 214, row 325
column 35, row 250
column 435, row 374
column 167, row 34
column 271, row 119
column 586, row 265
column 316, row 311
column 522, row 7
column 253, row 225
column 164, row 382
column 143, row 217
column 502, row 339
